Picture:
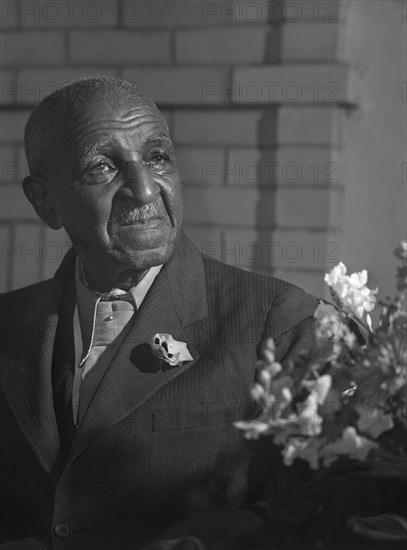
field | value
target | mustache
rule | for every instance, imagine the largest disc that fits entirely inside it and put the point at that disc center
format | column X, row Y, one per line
column 142, row 214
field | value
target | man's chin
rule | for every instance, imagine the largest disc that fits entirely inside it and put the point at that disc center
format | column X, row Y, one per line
column 139, row 237
column 144, row 258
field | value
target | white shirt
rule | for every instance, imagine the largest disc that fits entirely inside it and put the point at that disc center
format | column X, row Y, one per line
column 97, row 327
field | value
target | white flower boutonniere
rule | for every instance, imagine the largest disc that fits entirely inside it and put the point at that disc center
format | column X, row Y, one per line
column 169, row 350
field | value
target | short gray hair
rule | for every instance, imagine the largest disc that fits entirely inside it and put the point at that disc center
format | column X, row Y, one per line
column 42, row 132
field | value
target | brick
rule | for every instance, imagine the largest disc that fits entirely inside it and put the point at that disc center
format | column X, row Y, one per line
column 227, row 206
column 320, row 125
column 12, row 126
column 14, row 204
column 308, row 165
column 227, row 45
column 311, row 281
column 203, row 166
column 63, row 13
column 27, row 261
column 285, row 165
column 6, row 239
column 321, row 11
column 10, row 14
column 286, row 11
column 8, row 87
column 175, row 86
column 311, row 42
column 308, row 207
column 313, row 250
column 281, row 249
column 291, row 84
column 9, row 165
column 227, row 12
column 206, row 238
column 23, row 169
column 251, row 167
column 166, row 14
column 248, row 12
column 247, row 247
column 34, row 85
column 246, row 128
column 54, row 247
column 122, row 47
column 33, row 48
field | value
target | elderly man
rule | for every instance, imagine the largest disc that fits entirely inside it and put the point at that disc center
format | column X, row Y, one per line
column 104, row 446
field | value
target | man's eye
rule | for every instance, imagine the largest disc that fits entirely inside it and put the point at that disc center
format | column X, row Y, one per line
column 158, row 159
column 102, row 167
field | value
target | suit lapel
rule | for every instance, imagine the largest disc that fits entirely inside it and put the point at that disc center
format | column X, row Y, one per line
column 176, row 300
column 26, row 371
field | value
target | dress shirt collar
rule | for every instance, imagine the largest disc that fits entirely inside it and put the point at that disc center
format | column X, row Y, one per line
column 87, row 300
column 138, row 291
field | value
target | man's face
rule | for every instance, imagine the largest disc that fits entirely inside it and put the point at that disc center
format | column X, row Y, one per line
column 120, row 196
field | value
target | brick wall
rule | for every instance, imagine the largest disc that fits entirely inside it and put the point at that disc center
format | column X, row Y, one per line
column 256, row 94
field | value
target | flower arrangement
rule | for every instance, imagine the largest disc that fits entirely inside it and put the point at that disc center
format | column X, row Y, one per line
column 346, row 398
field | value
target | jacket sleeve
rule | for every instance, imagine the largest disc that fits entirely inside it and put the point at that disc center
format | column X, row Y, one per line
column 290, row 322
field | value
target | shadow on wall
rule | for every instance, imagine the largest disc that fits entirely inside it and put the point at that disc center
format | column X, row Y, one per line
column 266, row 185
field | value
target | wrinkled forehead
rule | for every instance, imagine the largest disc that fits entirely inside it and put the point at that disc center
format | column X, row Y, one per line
column 106, row 116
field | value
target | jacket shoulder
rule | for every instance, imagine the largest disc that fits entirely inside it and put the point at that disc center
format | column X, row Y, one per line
column 271, row 288
column 283, row 304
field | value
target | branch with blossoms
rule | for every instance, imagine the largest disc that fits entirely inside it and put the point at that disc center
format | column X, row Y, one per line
column 348, row 396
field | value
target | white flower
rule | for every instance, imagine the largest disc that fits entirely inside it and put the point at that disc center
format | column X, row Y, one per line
column 352, row 290
column 258, row 394
column 292, row 450
column 373, row 422
column 336, row 276
column 253, row 429
column 309, row 421
column 350, row 338
column 351, row 444
column 311, row 455
column 268, row 350
column 169, row 350
column 273, row 369
column 401, row 251
column 300, row 448
column 278, row 385
column 320, row 387
column 281, row 390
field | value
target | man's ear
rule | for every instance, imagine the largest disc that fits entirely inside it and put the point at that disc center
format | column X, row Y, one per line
column 36, row 190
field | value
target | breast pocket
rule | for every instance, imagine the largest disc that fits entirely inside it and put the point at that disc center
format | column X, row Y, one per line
column 205, row 414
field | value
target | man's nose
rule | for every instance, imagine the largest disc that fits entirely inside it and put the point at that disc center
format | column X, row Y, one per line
column 139, row 184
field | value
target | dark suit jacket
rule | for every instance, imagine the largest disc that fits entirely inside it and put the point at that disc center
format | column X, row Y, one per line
column 155, row 444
